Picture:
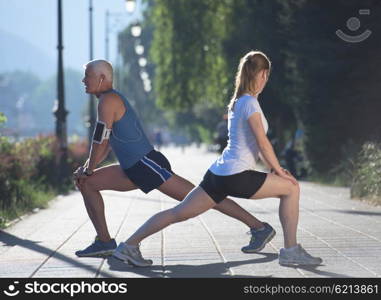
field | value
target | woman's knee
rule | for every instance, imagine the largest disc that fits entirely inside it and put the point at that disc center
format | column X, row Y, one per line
column 296, row 188
column 179, row 215
column 292, row 189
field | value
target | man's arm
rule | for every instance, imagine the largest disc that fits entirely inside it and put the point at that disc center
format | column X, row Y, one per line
column 103, row 157
column 106, row 114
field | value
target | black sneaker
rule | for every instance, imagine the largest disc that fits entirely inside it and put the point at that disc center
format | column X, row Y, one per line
column 98, row 248
column 259, row 239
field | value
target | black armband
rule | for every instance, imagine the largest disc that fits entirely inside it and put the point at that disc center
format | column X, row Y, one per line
column 101, row 132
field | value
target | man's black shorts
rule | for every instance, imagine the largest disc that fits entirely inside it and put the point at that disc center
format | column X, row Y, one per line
column 150, row 171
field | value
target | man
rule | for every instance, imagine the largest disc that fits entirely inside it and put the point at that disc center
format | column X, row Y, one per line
column 140, row 166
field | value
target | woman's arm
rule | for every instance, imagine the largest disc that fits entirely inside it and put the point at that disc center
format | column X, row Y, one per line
column 268, row 154
column 264, row 161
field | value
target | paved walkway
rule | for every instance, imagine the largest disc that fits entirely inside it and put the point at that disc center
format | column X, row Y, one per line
column 344, row 232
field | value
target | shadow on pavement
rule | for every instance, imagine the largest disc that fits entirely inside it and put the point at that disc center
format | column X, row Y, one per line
column 127, row 196
column 12, row 240
column 314, row 269
column 357, row 212
column 213, row 270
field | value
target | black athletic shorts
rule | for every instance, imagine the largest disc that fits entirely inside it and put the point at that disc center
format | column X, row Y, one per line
column 241, row 185
column 151, row 171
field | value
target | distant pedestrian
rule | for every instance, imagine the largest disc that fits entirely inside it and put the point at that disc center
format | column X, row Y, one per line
column 291, row 155
column 222, row 133
column 234, row 174
column 158, row 139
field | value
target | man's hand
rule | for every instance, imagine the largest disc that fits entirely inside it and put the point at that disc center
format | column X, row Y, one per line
column 79, row 176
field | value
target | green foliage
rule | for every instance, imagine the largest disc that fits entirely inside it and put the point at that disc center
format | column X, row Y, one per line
column 129, row 77
column 270, row 26
column 187, row 51
column 367, row 175
column 190, row 67
column 319, row 83
column 196, row 49
column 28, row 173
column 3, row 119
column 340, row 101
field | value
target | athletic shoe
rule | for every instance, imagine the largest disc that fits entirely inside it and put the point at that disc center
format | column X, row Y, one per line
column 132, row 255
column 259, row 239
column 98, row 248
column 297, row 256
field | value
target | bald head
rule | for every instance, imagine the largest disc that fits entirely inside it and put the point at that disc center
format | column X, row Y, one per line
column 101, row 67
column 98, row 76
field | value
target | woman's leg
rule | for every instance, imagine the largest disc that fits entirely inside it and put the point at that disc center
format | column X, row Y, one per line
column 178, row 187
column 107, row 178
column 275, row 186
column 195, row 203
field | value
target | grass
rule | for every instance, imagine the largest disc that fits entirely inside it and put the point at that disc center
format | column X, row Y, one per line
column 366, row 183
column 32, row 197
column 362, row 175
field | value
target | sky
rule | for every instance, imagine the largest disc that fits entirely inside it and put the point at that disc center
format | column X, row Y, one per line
column 36, row 22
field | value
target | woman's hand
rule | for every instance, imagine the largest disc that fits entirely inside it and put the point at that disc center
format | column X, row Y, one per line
column 286, row 175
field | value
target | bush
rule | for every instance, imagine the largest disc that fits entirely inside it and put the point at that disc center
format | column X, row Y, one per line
column 367, row 174
column 28, row 173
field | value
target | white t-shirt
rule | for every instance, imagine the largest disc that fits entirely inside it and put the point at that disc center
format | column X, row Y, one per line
column 242, row 150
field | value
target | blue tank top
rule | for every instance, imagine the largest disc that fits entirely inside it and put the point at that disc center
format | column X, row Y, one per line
column 127, row 139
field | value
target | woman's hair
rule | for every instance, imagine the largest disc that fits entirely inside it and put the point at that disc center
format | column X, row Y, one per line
column 249, row 67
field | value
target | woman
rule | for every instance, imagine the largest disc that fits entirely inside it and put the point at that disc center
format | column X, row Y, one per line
column 233, row 173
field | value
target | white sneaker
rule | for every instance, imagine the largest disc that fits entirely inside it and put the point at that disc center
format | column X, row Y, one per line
column 297, row 256
column 131, row 254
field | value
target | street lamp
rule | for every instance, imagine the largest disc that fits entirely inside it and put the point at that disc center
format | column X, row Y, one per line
column 139, row 49
column 142, row 62
column 136, row 30
column 59, row 110
column 130, row 8
column 92, row 118
column 130, row 5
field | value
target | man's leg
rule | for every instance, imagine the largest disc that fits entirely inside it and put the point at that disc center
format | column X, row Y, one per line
column 178, row 187
column 107, row 178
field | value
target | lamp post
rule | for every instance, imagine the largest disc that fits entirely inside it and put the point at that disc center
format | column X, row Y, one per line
column 59, row 110
column 130, row 8
column 130, row 5
column 92, row 117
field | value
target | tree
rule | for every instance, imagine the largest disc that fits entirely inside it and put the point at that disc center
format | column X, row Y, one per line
column 339, row 110
column 319, row 83
column 136, row 79
column 190, row 81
